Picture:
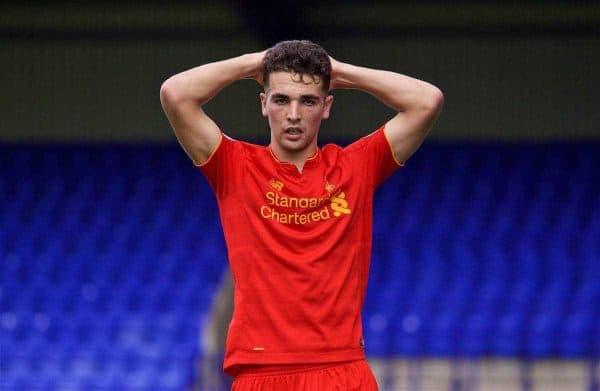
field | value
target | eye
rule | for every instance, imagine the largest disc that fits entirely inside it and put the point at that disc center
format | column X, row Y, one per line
column 309, row 102
column 280, row 100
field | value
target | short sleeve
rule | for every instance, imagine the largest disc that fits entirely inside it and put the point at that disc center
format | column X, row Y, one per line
column 224, row 167
column 372, row 155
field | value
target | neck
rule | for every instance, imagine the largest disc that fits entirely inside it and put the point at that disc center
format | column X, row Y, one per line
column 298, row 158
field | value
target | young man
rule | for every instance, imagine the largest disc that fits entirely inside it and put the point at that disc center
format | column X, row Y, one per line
column 297, row 218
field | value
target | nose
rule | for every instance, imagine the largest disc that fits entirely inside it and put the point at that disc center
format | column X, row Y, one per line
column 293, row 114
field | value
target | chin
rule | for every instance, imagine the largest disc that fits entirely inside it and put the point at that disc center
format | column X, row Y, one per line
column 293, row 147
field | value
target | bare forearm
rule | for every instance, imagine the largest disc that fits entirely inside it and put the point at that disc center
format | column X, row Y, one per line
column 402, row 93
column 201, row 83
column 183, row 94
column 417, row 103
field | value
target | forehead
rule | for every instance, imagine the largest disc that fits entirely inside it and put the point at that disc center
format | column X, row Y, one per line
column 291, row 84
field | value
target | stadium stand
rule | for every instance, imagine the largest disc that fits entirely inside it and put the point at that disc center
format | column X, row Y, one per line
column 110, row 255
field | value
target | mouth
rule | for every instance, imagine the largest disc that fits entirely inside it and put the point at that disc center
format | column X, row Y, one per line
column 293, row 131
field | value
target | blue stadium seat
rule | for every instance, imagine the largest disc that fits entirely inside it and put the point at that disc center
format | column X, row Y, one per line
column 486, row 250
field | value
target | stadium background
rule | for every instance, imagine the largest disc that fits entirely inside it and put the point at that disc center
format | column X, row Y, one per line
column 485, row 273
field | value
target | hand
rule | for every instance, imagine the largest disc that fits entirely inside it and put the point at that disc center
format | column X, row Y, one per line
column 335, row 80
column 257, row 59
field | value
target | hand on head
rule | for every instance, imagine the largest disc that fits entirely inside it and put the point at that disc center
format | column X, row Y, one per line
column 258, row 73
column 335, row 81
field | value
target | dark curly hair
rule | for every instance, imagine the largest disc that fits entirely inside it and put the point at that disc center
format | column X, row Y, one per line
column 299, row 57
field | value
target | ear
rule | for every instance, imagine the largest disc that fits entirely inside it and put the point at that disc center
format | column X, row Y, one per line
column 327, row 106
column 263, row 103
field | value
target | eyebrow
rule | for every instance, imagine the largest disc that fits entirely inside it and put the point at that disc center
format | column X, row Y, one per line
column 307, row 96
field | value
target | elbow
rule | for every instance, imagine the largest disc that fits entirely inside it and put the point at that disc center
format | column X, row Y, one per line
column 435, row 101
column 168, row 93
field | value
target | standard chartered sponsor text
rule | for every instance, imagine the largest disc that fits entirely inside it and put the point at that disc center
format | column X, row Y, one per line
column 295, row 202
column 314, row 215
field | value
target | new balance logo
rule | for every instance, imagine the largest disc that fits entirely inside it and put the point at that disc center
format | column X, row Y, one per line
column 278, row 185
column 328, row 186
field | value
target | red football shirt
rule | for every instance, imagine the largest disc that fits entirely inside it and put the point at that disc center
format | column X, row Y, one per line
column 299, row 246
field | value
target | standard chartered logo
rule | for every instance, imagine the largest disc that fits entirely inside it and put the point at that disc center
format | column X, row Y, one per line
column 339, row 204
column 315, row 209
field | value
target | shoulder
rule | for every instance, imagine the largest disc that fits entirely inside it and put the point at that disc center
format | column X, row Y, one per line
column 246, row 147
column 329, row 149
column 331, row 153
column 373, row 138
column 231, row 150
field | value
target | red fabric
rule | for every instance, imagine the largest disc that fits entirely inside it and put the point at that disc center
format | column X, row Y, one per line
column 299, row 246
column 350, row 376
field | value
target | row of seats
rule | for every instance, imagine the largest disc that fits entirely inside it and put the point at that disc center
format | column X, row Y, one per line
column 495, row 253
column 99, row 371
column 111, row 256
column 104, row 284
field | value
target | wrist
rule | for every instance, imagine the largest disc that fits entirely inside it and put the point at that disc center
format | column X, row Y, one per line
column 252, row 65
column 247, row 64
column 340, row 76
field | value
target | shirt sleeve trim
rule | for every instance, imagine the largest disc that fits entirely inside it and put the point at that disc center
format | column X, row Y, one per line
column 400, row 164
column 211, row 154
